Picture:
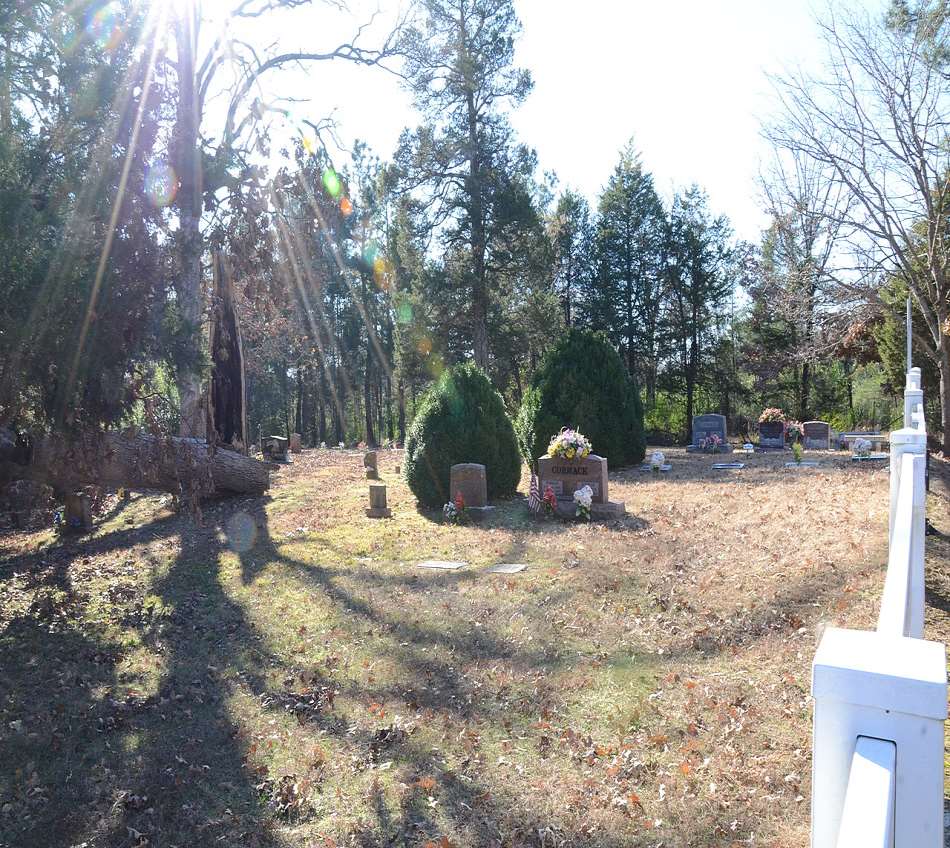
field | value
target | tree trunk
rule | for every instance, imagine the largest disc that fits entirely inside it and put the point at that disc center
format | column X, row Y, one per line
column 188, row 167
column 368, row 398
column 401, row 398
column 141, row 461
column 227, row 406
column 943, row 362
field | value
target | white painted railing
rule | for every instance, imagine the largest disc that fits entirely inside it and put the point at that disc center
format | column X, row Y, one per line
column 881, row 696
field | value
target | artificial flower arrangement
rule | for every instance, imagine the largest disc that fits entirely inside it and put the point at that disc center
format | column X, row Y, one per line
column 549, row 501
column 454, row 511
column 794, row 430
column 861, row 447
column 570, row 444
column 748, row 447
column 583, row 498
column 656, row 461
column 711, row 444
column 772, row 415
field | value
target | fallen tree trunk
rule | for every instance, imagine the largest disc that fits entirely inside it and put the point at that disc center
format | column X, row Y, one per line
column 137, row 461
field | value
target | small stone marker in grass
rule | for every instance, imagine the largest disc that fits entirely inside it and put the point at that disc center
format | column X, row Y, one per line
column 369, row 462
column 805, row 463
column 469, row 479
column 647, row 467
column 817, row 435
column 377, row 502
column 726, row 466
column 78, row 512
column 871, row 457
column 507, row 568
column 442, row 564
column 296, row 445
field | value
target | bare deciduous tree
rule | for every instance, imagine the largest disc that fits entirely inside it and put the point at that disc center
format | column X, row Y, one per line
column 876, row 123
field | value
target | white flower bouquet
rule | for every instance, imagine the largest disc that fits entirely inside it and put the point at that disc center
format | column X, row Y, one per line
column 656, row 461
column 583, row 497
column 861, row 447
column 570, row 444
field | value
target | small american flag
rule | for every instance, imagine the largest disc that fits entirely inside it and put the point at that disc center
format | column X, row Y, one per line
column 534, row 495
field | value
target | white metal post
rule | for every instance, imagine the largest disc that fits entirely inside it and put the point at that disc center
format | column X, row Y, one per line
column 886, row 687
column 913, row 395
column 905, row 440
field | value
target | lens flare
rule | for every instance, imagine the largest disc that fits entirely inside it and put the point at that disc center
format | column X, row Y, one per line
column 404, row 313
column 104, row 26
column 424, row 346
column 370, row 253
column 331, row 182
column 242, row 532
column 382, row 272
column 161, row 184
column 309, row 143
column 346, row 207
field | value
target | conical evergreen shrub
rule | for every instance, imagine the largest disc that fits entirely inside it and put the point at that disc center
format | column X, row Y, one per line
column 582, row 383
column 461, row 419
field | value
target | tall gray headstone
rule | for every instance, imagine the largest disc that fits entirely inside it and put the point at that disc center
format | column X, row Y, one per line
column 710, row 424
column 817, row 435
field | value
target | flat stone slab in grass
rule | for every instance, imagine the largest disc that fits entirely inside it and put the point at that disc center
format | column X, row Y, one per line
column 725, row 466
column 874, row 457
column 647, row 467
column 507, row 568
column 445, row 565
column 805, row 463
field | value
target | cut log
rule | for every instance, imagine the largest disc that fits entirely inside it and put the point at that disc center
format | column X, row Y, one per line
column 141, row 461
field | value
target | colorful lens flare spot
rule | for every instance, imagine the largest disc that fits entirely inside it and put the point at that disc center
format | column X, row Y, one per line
column 346, row 207
column 370, row 253
column 161, row 184
column 331, row 182
column 404, row 313
column 104, row 26
column 309, row 143
column 424, row 346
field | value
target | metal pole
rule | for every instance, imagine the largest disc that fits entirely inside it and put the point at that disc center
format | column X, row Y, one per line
column 909, row 336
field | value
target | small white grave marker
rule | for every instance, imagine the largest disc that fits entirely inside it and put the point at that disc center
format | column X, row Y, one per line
column 445, row 565
column 507, row 568
column 726, row 466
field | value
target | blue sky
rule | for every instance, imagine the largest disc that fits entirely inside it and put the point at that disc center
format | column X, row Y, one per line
column 687, row 81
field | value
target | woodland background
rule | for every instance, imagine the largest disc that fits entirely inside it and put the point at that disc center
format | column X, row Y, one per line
column 133, row 218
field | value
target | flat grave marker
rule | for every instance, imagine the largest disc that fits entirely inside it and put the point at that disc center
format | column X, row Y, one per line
column 507, row 568
column 442, row 564
column 726, row 466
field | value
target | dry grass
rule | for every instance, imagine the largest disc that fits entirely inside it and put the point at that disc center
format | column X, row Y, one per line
column 285, row 676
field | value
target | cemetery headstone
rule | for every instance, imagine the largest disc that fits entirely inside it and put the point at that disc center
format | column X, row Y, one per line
column 274, row 448
column 704, row 426
column 817, row 435
column 469, row 479
column 377, row 502
column 566, row 476
column 772, row 434
column 296, row 445
column 78, row 513
column 369, row 462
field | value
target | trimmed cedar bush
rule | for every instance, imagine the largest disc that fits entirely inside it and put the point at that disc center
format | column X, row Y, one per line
column 461, row 419
column 582, row 383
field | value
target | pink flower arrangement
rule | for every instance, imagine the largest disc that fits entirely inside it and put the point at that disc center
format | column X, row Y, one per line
column 772, row 415
column 549, row 501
